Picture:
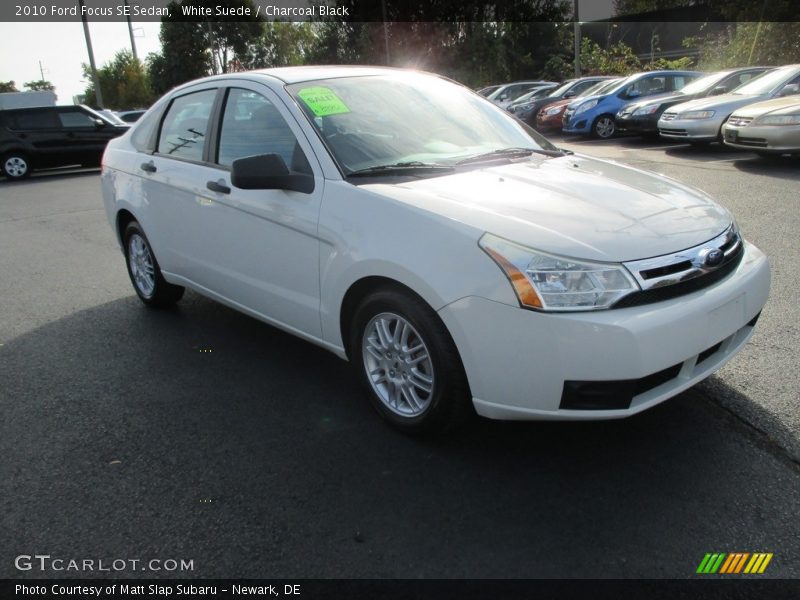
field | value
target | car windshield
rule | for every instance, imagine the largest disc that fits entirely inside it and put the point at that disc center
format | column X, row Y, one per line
column 599, row 88
column 766, row 82
column 408, row 119
column 704, row 83
column 559, row 91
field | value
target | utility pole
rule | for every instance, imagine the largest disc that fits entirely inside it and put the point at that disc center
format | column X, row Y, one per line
column 577, row 39
column 385, row 31
column 98, row 93
column 130, row 32
column 41, row 70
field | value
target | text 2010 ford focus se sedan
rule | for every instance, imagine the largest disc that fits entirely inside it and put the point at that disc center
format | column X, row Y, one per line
column 455, row 256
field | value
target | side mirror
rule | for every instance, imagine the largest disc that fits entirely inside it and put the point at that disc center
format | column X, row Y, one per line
column 503, row 97
column 720, row 89
column 268, row 172
column 789, row 90
column 99, row 123
column 570, row 94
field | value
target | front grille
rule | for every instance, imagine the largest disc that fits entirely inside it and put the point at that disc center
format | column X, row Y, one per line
column 681, row 132
column 669, row 116
column 672, row 275
column 667, row 292
column 750, row 141
column 740, row 121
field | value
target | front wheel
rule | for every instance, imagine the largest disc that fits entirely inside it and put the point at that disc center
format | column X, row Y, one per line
column 143, row 269
column 604, row 127
column 408, row 363
column 16, row 165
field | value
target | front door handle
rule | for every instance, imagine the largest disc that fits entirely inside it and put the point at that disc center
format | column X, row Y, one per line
column 218, row 186
column 150, row 167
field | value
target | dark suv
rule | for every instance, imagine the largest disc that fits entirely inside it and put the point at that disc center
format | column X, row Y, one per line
column 52, row 136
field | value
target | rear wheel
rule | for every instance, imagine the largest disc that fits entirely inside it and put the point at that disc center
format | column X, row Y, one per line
column 408, row 363
column 143, row 269
column 16, row 165
column 604, row 127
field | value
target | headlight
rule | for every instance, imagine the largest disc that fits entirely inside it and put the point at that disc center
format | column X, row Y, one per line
column 646, row 110
column 586, row 106
column 697, row 114
column 546, row 282
column 779, row 120
column 553, row 111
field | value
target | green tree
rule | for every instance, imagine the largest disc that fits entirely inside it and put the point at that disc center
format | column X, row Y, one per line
column 279, row 45
column 40, row 85
column 618, row 59
column 745, row 44
column 124, row 82
column 192, row 49
column 8, row 86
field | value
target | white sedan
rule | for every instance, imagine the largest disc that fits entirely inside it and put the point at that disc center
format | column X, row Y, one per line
column 456, row 257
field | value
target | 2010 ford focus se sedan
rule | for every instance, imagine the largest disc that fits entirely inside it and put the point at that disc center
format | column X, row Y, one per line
column 456, row 257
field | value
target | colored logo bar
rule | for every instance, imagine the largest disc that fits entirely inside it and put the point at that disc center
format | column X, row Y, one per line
column 734, row 563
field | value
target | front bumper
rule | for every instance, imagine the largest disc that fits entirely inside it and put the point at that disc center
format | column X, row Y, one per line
column 763, row 138
column 523, row 364
column 580, row 123
column 631, row 124
column 549, row 122
column 700, row 130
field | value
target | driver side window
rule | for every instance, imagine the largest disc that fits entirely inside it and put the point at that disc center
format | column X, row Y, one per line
column 252, row 125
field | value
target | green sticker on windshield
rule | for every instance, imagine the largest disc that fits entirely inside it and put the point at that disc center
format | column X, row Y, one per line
column 322, row 101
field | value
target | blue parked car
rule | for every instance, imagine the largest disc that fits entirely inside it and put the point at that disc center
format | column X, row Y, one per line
column 594, row 115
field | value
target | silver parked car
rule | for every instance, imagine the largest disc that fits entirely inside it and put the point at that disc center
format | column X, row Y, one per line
column 771, row 127
column 700, row 121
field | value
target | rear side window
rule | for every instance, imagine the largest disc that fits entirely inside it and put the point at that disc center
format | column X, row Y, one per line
column 185, row 126
column 36, row 119
column 75, row 118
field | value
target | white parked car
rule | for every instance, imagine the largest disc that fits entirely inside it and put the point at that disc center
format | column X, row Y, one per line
column 454, row 255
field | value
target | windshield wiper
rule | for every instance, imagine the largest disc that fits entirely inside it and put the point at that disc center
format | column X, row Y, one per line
column 512, row 153
column 400, row 168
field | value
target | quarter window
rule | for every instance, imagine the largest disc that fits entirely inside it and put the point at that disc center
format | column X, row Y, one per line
column 252, row 125
column 184, row 129
column 39, row 119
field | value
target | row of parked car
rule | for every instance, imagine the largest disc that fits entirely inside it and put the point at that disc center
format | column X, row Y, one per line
column 753, row 108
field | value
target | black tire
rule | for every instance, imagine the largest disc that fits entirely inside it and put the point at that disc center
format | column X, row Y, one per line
column 604, row 127
column 448, row 404
column 16, row 165
column 162, row 294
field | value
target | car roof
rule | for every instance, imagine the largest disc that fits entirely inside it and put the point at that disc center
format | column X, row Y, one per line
column 291, row 75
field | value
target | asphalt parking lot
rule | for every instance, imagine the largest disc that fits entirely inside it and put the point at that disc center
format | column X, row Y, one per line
column 200, row 434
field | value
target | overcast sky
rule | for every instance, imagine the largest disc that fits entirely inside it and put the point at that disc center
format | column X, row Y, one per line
column 62, row 48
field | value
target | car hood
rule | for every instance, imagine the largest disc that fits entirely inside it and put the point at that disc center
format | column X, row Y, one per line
column 558, row 103
column 724, row 102
column 576, row 101
column 573, row 206
column 663, row 99
column 787, row 105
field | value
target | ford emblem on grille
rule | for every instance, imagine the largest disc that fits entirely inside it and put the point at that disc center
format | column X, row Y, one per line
column 713, row 258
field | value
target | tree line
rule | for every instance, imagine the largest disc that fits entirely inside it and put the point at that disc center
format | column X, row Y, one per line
column 473, row 42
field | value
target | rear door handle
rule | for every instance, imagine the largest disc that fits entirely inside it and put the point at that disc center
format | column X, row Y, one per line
column 218, row 186
column 150, row 167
